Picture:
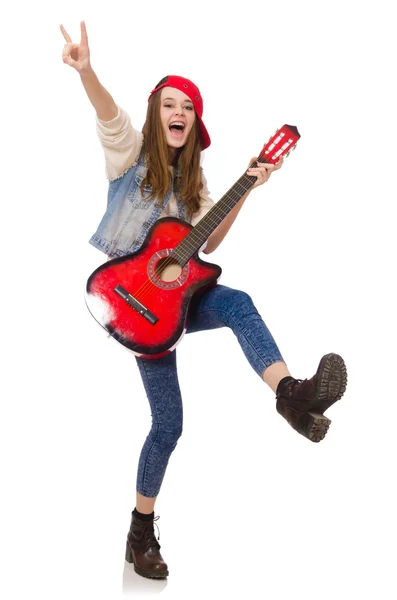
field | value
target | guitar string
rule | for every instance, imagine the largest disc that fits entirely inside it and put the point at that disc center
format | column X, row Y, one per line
column 149, row 286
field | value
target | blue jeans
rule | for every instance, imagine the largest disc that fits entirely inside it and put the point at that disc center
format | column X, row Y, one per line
column 220, row 306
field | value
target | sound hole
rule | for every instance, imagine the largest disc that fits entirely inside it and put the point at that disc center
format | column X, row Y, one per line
column 168, row 269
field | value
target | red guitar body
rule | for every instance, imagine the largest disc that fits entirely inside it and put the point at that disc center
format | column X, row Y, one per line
column 162, row 287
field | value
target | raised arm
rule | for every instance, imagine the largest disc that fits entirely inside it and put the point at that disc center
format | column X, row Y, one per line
column 78, row 57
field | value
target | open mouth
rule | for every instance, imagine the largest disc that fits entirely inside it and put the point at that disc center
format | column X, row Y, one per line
column 176, row 129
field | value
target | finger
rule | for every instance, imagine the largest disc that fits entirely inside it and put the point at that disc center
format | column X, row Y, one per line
column 67, row 49
column 253, row 159
column 69, row 61
column 267, row 167
column 261, row 174
column 279, row 163
column 254, row 171
column 84, row 36
column 262, row 167
column 65, row 34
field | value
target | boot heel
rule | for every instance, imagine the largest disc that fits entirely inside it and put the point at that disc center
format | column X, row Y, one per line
column 317, row 427
column 128, row 554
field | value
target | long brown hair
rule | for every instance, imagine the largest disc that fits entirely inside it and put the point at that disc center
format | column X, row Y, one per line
column 188, row 185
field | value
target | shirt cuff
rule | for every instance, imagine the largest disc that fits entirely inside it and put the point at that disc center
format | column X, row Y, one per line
column 115, row 124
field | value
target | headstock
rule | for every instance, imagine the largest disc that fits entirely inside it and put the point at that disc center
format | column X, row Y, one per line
column 280, row 144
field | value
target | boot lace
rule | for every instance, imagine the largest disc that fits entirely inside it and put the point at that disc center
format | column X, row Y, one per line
column 289, row 387
column 150, row 535
column 294, row 385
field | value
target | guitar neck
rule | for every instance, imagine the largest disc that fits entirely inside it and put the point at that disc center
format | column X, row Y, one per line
column 280, row 144
column 201, row 232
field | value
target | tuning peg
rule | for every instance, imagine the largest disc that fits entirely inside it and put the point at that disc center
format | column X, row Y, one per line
column 293, row 147
column 288, row 153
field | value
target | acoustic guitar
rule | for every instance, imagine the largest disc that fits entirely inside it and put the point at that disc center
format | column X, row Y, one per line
column 142, row 299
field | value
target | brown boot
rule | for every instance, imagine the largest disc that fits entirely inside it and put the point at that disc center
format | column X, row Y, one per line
column 303, row 403
column 143, row 549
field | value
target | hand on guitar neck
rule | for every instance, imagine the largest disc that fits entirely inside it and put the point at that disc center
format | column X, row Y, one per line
column 263, row 170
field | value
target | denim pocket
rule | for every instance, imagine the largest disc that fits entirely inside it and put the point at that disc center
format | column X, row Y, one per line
column 138, row 196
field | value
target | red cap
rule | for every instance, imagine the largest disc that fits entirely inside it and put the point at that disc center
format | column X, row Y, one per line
column 187, row 87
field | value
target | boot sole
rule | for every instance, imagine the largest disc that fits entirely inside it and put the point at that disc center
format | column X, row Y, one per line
column 317, row 427
column 332, row 381
column 129, row 557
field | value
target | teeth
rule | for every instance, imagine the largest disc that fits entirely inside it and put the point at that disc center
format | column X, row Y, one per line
column 178, row 124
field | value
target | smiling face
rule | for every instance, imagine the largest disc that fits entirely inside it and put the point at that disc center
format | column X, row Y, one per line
column 177, row 116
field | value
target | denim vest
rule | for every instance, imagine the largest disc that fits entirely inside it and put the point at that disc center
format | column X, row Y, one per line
column 129, row 214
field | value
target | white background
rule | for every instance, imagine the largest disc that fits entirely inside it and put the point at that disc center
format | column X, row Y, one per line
column 248, row 507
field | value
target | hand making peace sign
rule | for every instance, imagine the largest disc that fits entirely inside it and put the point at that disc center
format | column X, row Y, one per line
column 76, row 55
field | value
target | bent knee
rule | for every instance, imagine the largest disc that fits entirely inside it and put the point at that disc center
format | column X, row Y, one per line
column 167, row 437
column 237, row 302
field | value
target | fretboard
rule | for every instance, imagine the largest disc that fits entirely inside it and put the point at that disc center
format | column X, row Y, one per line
column 201, row 232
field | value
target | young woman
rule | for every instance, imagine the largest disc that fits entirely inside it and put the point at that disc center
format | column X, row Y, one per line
column 157, row 173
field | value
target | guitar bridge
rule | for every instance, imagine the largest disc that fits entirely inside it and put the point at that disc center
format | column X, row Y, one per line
column 136, row 305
